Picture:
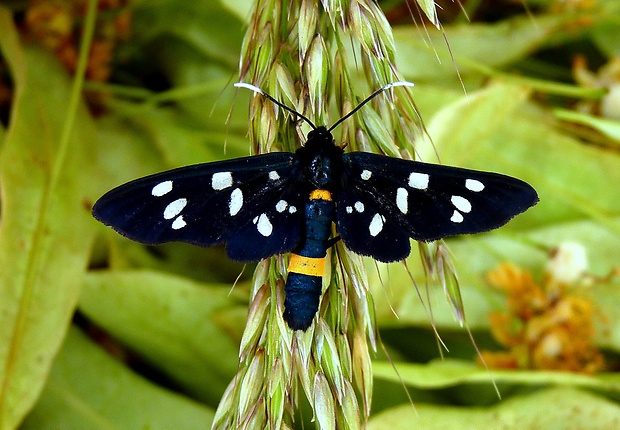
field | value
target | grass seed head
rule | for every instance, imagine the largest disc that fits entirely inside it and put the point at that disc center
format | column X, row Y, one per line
column 322, row 59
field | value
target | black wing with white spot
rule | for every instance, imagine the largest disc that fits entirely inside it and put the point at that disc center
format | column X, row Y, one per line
column 252, row 204
column 383, row 201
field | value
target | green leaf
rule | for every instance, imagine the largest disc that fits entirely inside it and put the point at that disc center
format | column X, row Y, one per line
column 475, row 256
column 498, row 129
column 551, row 409
column 2, row 134
column 202, row 89
column 89, row 389
column 473, row 47
column 46, row 231
column 579, row 202
column 241, row 8
column 446, row 373
column 606, row 34
column 181, row 259
column 203, row 25
column 608, row 127
column 169, row 133
column 189, row 331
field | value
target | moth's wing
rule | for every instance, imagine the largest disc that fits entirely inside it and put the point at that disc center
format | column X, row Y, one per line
column 403, row 199
column 212, row 203
column 274, row 229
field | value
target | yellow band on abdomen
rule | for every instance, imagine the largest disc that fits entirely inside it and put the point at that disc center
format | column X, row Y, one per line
column 306, row 265
column 321, row 195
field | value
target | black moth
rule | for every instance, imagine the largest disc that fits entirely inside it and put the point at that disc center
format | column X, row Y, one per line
column 283, row 202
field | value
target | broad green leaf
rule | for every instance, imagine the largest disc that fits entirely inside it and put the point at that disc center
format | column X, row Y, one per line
column 181, row 259
column 475, row 256
column 574, row 182
column 607, row 127
column 606, row 34
column 205, row 25
column 138, row 140
column 128, row 152
column 471, row 46
column 46, row 231
column 607, row 37
column 430, row 99
column 241, row 8
column 446, row 373
column 89, row 389
column 480, row 115
column 202, row 89
column 497, row 129
column 188, row 330
column 179, row 141
column 551, row 409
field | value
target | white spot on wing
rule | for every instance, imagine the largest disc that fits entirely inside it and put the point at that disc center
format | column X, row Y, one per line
column 221, row 180
column 236, row 201
column 359, row 206
column 376, row 225
column 474, row 185
column 174, row 208
column 281, row 206
column 456, row 217
column 349, row 209
column 273, row 175
column 461, row 203
column 366, row 174
column 263, row 225
column 401, row 200
column 162, row 188
column 292, row 209
column 418, row 180
column 178, row 223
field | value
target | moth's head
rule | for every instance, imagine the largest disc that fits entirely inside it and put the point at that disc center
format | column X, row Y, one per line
column 320, row 141
column 320, row 135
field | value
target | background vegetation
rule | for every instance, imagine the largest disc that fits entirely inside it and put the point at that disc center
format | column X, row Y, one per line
column 530, row 90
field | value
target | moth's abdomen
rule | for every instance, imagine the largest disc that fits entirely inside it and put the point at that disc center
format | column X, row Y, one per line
column 301, row 303
column 307, row 264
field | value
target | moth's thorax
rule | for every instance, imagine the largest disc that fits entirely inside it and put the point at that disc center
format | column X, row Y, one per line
column 320, row 160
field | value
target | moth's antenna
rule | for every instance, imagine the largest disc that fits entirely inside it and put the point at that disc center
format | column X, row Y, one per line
column 283, row 106
column 372, row 96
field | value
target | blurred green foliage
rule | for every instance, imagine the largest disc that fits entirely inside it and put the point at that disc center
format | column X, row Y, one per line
column 172, row 104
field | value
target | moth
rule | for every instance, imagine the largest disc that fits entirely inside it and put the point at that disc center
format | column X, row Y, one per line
column 282, row 202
